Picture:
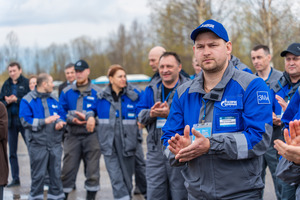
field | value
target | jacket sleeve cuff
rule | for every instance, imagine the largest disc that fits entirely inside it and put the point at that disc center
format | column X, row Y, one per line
column 89, row 114
column 144, row 117
column 171, row 158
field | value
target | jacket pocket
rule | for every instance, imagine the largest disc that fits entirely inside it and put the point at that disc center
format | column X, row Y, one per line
column 228, row 115
column 105, row 136
column 130, row 135
column 192, row 180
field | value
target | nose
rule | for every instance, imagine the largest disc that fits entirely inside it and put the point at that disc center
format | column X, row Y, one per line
column 206, row 51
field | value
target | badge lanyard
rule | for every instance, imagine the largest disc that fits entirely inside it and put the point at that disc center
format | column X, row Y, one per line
column 204, row 112
column 163, row 92
column 269, row 75
column 204, row 128
column 286, row 94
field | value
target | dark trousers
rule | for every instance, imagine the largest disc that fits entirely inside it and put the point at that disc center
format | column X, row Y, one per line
column 13, row 133
column 1, row 192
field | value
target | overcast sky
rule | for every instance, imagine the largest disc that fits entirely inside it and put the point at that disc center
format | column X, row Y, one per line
column 42, row 22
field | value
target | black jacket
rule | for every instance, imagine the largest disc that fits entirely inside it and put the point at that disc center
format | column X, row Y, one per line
column 61, row 87
column 6, row 90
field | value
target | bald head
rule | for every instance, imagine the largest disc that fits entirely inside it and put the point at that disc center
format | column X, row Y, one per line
column 154, row 55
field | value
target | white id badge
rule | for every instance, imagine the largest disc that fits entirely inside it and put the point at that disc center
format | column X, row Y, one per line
column 160, row 122
column 227, row 121
column 204, row 129
column 280, row 116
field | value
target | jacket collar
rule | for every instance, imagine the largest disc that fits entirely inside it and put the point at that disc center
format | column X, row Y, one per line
column 217, row 92
column 21, row 77
column 128, row 91
column 35, row 94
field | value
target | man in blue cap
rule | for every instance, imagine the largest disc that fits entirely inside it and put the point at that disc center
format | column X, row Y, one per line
column 230, row 114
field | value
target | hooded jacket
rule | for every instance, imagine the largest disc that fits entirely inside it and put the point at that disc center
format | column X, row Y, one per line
column 109, row 111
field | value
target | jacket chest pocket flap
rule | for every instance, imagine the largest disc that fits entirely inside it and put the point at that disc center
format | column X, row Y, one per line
column 228, row 114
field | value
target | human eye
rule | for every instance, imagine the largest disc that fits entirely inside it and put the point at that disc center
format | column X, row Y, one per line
column 199, row 46
column 296, row 58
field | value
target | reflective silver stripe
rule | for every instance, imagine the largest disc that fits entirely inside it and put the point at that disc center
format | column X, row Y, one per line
column 123, row 198
column 71, row 112
column 103, row 121
column 242, row 146
column 51, row 196
column 35, row 124
column 92, row 188
column 129, row 121
column 41, row 196
column 67, row 190
column 167, row 152
column 241, row 142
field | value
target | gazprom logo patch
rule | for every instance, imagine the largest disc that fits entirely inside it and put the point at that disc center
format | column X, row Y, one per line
column 130, row 106
column 208, row 26
column 226, row 103
column 263, row 97
column 90, row 97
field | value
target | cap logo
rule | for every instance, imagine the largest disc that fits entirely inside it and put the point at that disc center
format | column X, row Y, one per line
column 79, row 64
column 208, row 25
column 298, row 48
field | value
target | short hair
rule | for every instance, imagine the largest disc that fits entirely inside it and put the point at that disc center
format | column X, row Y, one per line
column 32, row 76
column 42, row 77
column 14, row 64
column 169, row 53
column 261, row 46
column 113, row 69
column 69, row 65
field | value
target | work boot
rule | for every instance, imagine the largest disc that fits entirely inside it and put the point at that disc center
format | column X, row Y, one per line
column 91, row 195
column 14, row 183
column 66, row 196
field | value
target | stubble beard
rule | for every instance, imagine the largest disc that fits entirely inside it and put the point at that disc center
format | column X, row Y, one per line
column 216, row 67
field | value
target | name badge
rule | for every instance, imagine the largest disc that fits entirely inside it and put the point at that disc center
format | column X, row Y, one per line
column 90, row 97
column 131, row 115
column 228, row 121
column 160, row 122
column 204, row 129
column 280, row 116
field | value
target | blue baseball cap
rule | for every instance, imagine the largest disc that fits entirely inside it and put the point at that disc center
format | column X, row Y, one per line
column 213, row 26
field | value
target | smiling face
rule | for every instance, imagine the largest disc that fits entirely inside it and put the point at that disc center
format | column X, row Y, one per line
column 118, row 80
column 211, row 52
column 14, row 72
column 70, row 74
column 32, row 83
column 169, row 69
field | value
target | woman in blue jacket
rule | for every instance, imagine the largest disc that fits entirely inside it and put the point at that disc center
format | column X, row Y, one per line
column 118, row 129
